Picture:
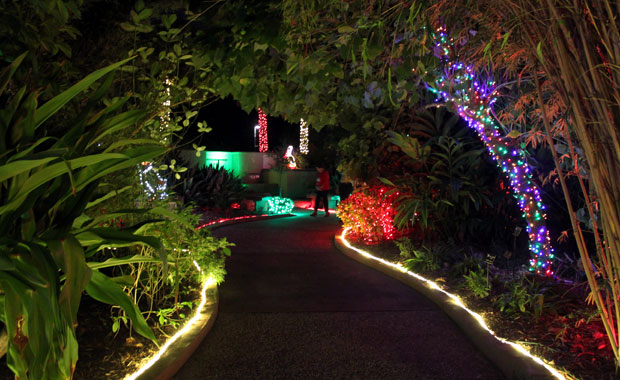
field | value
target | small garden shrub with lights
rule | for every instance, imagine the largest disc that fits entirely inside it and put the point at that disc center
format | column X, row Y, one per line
column 369, row 213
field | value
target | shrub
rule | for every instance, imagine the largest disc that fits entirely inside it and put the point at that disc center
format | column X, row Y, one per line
column 209, row 187
column 369, row 214
column 478, row 282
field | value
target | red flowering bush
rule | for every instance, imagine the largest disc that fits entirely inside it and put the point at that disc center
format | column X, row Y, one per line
column 369, row 214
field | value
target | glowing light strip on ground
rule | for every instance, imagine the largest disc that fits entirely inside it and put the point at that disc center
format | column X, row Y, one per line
column 208, row 283
column 228, row 219
column 458, row 302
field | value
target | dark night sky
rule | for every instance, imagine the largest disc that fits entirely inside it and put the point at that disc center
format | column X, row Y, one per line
column 233, row 128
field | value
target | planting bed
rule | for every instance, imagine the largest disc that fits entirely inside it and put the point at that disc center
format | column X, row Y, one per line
column 568, row 333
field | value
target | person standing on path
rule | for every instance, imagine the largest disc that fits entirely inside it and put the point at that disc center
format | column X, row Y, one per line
column 322, row 188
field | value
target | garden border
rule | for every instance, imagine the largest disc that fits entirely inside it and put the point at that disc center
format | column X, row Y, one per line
column 512, row 363
column 180, row 350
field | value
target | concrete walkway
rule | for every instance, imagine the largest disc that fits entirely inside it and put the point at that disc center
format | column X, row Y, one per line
column 293, row 307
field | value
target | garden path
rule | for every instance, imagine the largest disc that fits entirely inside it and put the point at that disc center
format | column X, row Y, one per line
column 293, row 307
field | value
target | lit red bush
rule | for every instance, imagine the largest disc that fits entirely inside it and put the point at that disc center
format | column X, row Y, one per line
column 370, row 215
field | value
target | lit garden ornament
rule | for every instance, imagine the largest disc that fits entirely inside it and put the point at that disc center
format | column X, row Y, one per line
column 263, row 143
column 291, row 159
column 279, row 205
column 256, row 129
column 473, row 96
column 152, row 182
column 303, row 137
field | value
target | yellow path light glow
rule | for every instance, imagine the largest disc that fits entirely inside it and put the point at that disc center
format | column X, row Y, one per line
column 456, row 300
column 207, row 284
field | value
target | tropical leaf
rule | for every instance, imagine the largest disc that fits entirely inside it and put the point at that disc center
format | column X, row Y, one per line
column 53, row 105
column 15, row 168
column 104, row 289
column 117, row 261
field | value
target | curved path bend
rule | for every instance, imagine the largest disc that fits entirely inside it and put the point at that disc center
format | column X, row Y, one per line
column 293, row 307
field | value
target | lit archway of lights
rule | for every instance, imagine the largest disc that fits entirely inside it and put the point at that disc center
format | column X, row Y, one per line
column 473, row 95
column 263, row 142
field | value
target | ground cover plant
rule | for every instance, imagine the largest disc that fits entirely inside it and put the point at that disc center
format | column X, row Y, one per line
column 549, row 318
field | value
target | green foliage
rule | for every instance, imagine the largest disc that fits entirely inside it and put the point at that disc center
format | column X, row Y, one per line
column 209, row 187
column 352, row 60
column 449, row 185
column 516, row 300
column 478, row 282
column 47, row 183
column 159, row 289
column 44, row 29
column 417, row 260
column 525, row 296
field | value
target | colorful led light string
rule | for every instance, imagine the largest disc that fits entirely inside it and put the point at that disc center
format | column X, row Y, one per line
column 263, row 143
column 473, row 97
column 303, row 137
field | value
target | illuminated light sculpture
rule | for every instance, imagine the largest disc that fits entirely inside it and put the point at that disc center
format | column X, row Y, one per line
column 473, row 96
column 291, row 159
column 303, row 137
column 147, row 173
column 152, row 182
column 263, row 143
column 457, row 301
column 256, row 129
column 279, row 205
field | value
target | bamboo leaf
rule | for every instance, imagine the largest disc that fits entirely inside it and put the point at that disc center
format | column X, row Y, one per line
column 540, row 53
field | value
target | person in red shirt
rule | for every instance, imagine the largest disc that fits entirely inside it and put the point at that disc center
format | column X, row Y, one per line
column 322, row 188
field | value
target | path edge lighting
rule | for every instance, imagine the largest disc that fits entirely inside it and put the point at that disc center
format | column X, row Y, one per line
column 166, row 362
column 513, row 359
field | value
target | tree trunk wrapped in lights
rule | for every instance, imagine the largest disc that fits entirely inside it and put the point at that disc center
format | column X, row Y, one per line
column 570, row 49
column 263, row 142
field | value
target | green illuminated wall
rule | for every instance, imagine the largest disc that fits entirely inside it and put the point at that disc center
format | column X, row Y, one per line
column 231, row 161
column 240, row 163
